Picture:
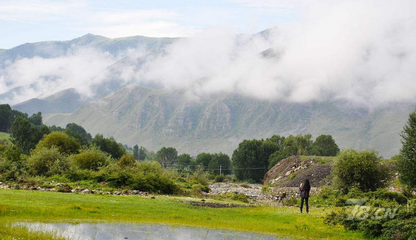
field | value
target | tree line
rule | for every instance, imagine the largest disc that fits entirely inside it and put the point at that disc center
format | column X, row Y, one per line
column 249, row 162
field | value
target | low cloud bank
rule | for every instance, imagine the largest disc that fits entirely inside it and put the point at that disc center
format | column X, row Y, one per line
column 362, row 52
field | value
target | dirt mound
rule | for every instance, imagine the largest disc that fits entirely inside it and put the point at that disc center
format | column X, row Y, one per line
column 292, row 171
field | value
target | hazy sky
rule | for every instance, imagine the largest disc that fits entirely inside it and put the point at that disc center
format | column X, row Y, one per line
column 24, row 21
column 359, row 51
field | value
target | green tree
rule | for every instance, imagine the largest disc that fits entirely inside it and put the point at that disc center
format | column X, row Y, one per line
column 136, row 152
column 12, row 163
column 109, row 145
column 277, row 157
column 184, row 160
column 279, row 140
column 56, row 129
column 220, row 164
column 167, row 156
column 47, row 162
column 79, row 133
column 325, row 145
column 142, row 153
column 406, row 163
column 290, row 146
column 36, row 119
column 362, row 170
column 91, row 158
column 7, row 117
column 25, row 135
column 64, row 143
column 251, row 159
column 203, row 159
column 304, row 144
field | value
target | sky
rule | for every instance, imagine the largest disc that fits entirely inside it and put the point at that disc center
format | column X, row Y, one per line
column 23, row 21
column 358, row 51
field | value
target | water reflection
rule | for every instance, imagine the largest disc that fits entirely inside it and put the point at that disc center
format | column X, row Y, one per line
column 138, row 232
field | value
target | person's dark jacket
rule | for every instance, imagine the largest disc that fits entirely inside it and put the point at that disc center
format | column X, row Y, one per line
column 304, row 191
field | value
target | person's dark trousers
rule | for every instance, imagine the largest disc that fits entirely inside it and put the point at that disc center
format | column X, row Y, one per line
column 306, row 203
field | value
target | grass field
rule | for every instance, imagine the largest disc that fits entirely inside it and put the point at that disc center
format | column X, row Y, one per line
column 34, row 206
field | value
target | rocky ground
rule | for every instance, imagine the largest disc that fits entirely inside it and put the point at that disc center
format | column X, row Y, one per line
column 292, row 171
column 257, row 192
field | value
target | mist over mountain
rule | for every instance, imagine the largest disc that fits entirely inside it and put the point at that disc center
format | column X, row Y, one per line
column 155, row 118
column 86, row 64
column 66, row 101
column 344, row 68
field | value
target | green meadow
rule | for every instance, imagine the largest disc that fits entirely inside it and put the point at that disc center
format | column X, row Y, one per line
column 36, row 206
column 4, row 136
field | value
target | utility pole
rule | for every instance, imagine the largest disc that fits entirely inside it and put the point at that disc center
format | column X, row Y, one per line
column 220, row 169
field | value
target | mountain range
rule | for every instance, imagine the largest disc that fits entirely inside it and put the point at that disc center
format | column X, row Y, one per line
column 156, row 118
column 109, row 77
column 153, row 117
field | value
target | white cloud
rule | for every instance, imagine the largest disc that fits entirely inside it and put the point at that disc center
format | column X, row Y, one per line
column 78, row 68
column 362, row 52
column 359, row 51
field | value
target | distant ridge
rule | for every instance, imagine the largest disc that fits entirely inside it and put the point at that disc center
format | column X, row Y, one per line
column 66, row 101
column 50, row 49
column 156, row 118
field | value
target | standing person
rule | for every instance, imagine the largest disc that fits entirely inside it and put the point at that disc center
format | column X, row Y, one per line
column 304, row 189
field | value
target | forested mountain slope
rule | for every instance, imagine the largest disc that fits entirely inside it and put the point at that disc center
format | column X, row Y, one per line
column 156, row 118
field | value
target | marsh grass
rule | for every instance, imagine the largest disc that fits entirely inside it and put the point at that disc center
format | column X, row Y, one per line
column 33, row 206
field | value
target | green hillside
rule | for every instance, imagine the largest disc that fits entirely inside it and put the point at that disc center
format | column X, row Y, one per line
column 156, row 118
column 4, row 136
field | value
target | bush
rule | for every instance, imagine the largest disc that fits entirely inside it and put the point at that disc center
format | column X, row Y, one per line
column 64, row 143
column 241, row 197
column 219, row 178
column 143, row 176
column 91, row 159
column 126, row 161
column 359, row 169
column 12, row 163
column 47, row 162
column 198, row 189
column 393, row 225
column 291, row 201
column 199, row 176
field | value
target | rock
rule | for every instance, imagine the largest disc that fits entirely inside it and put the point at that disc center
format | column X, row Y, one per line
column 86, row 191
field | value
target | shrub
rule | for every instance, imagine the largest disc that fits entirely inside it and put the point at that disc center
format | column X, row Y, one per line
column 199, row 176
column 126, row 161
column 291, row 201
column 64, row 143
column 47, row 162
column 241, row 197
column 219, row 178
column 359, row 169
column 198, row 189
column 91, row 159
column 12, row 163
column 143, row 176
